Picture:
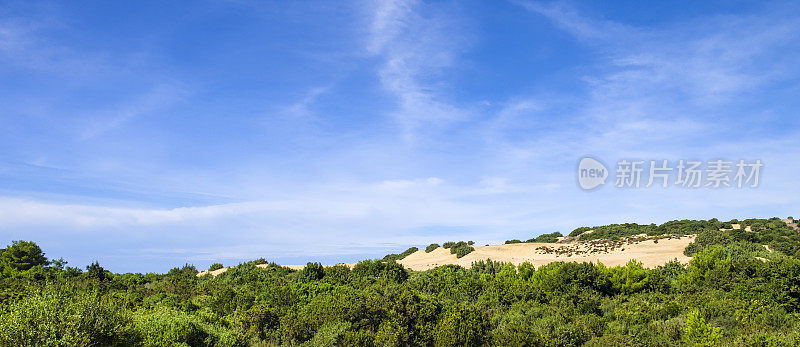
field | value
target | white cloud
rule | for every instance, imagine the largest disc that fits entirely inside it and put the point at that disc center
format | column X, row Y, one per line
column 157, row 98
column 416, row 42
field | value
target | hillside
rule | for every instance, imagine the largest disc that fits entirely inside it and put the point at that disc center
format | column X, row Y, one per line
column 612, row 245
column 650, row 252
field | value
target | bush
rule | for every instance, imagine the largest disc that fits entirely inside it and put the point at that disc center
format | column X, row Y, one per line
column 548, row 238
column 462, row 251
column 509, row 242
column 58, row 316
column 579, row 231
column 168, row 327
column 396, row 257
column 379, row 269
column 698, row 333
column 488, row 266
column 215, row 266
column 431, row 247
column 461, row 326
column 312, row 272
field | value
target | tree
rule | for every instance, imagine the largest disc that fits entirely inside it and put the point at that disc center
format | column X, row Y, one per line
column 215, row 266
column 312, row 272
column 94, row 270
column 21, row 256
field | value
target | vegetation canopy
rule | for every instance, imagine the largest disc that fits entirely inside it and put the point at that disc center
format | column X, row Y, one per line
column 734, row 291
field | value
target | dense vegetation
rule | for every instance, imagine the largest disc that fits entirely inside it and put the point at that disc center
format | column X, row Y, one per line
column 734, row 292
column 396, row 257
column 459, row 248
column 544, row 238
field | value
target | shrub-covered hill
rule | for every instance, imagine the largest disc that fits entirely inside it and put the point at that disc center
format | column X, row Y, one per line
column 731, row 293
column 774, row 233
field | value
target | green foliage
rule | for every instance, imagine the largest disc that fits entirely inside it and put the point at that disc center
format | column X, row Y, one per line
column 616, row 231
column 312, row 272
column 510, row 242
column 724, row 296
column 431, row 247
column 462, row 250
column 698, row 333
column 773, row 233
column 461, row 325
column 459, row 248
column 547, row 238
column 379, row 269
column 630, row 279
column 396, row 257
column 215, row 266
column 63, row 316
column 488, row 266
column 95, row 271
column 21, row 256
column 329, row 335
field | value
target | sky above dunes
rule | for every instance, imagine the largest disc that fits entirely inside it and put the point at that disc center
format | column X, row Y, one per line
column 146, row 135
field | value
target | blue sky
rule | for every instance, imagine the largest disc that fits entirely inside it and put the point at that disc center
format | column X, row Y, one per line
column 146, row 135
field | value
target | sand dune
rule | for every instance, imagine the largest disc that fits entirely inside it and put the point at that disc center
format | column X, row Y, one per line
column 215, row 273
column 650, row 253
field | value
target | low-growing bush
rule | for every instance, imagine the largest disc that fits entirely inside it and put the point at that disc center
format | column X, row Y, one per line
column 396, row 257
column 431, row 247
column 462, row 250
column 548, row 238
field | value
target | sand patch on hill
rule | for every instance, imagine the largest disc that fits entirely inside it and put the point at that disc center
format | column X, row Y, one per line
column 649, row 252
column 215, row 273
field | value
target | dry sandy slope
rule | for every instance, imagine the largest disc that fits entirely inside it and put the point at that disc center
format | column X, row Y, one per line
column 293, row 267
column 651, row 254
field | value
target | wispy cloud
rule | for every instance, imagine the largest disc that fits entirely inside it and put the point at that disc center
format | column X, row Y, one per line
column 155, row 99
column 672, row 83
column 416, row 42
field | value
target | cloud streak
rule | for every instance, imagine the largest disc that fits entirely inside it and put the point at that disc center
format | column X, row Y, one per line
column 417, row 42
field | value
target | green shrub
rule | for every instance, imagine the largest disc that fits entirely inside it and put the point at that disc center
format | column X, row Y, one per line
column 431, row 247
column 396, row 257
column 488, row 266
column 698, row 333
column 376, row 268
column 215, row 266
column 509, row 242
column 547, row 238
column 312, row 272
column 462, row 251
column 59, row 316
column 461, row 325
column 166, row 327
column 579, row 231
column 329, row 335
